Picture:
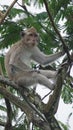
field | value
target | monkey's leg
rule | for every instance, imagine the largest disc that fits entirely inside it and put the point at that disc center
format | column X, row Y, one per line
column 45, row 81
column 33, row 78
column 51, row 75
column 25, row 81
column 48, row 73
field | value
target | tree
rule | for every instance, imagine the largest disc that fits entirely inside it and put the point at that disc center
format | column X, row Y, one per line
column 35, row 113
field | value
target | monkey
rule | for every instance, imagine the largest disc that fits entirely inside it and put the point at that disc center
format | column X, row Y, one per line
column 18, row 61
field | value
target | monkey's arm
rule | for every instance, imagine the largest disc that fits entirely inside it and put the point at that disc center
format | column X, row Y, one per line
column 43, row 59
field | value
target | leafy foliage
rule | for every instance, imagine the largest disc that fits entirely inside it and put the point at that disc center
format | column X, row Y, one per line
column 67, row 94
column 19, row 19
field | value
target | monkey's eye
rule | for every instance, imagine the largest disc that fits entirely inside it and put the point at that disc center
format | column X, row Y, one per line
column 35, row 35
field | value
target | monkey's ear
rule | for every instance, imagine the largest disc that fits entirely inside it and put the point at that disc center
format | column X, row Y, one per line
column 22, row 33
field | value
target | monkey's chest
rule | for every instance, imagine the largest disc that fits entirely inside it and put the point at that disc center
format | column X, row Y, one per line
column 26, row 59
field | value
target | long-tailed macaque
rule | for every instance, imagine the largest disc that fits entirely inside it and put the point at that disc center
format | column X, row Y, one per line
column 18, row 61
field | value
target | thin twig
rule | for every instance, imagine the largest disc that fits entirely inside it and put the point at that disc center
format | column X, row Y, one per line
column 46, row 95
column 29, row 14
column 7, row 12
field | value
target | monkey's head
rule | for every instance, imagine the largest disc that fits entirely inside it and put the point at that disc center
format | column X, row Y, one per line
column 30, row 37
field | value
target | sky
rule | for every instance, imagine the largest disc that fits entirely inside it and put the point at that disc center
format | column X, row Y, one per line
column 64, row 109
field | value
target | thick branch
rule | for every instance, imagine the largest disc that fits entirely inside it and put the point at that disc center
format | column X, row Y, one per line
column 56, row 30
column 11, row 83
column 24, row 107
column 52, row 105
column 15, row 100
column 8, row 125
column 8, row 82
column 54, row 99
column 8, row 10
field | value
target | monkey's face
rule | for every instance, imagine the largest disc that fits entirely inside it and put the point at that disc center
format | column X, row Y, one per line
column 30, row 37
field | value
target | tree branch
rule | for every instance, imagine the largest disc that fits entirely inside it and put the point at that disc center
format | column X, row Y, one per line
column 56, row 30
column 8, row 125
column 51, row 107
column 54, row 97
column 31, row 114
column 8, row 82
column 21, row 90
column 7, row 12
column 15, row 100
